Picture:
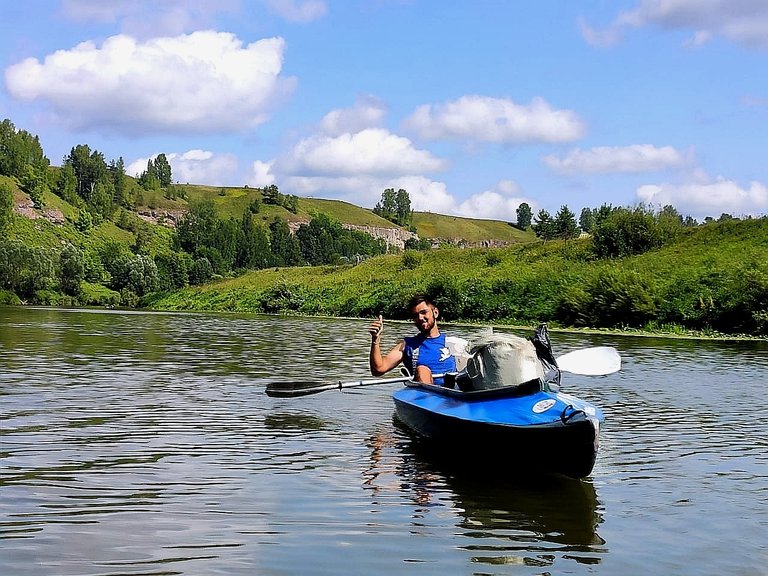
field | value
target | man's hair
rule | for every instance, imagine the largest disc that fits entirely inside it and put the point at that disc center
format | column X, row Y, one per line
column 418, row 299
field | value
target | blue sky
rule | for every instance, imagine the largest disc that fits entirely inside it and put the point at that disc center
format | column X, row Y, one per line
column 472, row 106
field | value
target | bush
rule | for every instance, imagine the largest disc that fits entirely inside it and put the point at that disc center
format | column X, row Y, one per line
column 613, row 298
column 626, row 232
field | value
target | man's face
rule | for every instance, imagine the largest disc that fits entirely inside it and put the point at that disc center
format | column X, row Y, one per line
column 423, row 316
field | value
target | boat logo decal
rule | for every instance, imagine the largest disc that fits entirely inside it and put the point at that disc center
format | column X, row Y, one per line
column 543, row 405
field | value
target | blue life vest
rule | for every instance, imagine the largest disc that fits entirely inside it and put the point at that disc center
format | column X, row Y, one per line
column 421, row 350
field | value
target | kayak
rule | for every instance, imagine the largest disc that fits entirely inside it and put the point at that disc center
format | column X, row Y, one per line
column 531, row 427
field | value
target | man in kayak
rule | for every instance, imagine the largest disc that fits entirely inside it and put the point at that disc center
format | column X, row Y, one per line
column 423, row 355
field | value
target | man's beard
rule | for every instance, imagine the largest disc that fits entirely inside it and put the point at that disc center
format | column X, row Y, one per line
column 426, row 328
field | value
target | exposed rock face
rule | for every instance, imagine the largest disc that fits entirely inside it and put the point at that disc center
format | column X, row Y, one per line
column 169, row 218
column 392, row 236
column 27, row 209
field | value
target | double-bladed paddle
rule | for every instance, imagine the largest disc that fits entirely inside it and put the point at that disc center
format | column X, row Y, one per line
column 597, row 361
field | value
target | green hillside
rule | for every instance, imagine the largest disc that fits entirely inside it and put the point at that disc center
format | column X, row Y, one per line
column 712, row 280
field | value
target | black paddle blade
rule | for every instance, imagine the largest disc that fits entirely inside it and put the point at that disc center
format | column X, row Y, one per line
column 300, row 388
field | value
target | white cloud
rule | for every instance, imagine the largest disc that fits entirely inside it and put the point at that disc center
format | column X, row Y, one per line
column 486, row 119
column 298, row 10
column 194, row 167
column 261, row 174
column 742, row 21
column 617, row 159
column 708, row 198
column 499, row 203
column 204, row 82
column 368, row 112
column 373, row 151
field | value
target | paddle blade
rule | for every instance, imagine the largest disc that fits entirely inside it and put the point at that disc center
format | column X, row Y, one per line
column 300, row 388
column 597, row 361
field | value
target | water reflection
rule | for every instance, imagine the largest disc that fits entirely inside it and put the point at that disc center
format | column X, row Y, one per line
column 503, row 517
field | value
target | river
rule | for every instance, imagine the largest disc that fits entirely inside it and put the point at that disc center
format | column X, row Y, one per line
column 138, row 443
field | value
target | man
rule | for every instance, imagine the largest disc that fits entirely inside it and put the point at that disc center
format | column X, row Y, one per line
column 423, row 355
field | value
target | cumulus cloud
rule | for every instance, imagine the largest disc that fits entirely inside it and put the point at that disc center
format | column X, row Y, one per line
column 194, row 166
column 204, row 82
column 373, row 151
column 617, row 159
column 486, row 119
column 261, row 174
column 499, row 203
column 743, row 21
column 368, row 112
column 708, row 198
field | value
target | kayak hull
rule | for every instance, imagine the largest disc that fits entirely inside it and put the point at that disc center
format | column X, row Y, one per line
column 524, row 430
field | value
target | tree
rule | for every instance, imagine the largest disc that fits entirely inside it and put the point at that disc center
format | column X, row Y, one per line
column 271, row 195
column 163, row 170
column 124, row 195
column 149, row 179
column 71, row 269
column 395, row 207
column 386, row 207
column 6, row 206
column 253, row 248
column 626, row 232
column 20, row 151
column 565, row 226
column 197, row 227
column 587, row 220
column 403, row 213
column 543, row 225
column 524, row 215
column 284, row 246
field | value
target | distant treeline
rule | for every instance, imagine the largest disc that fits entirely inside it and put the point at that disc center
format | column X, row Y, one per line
column 105, row 254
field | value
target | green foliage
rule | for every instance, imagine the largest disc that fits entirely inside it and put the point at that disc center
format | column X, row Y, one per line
column 613, row 298
column 24, row 269
column 21, row 157
column 418, row 244
column 84, row 221
column 565, row 226
column 284, row 246
column 6, row 205
column 98, row 295
column 410, row 260
column 71, row 269
column 524, row 216
column 587, row 220
column 395, row 207
column 201, row 271
column 135, row 273
column 625, row 232
column 544, row 226
column 173, row 269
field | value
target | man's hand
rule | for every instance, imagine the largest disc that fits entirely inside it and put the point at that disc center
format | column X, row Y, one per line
column 376, row 328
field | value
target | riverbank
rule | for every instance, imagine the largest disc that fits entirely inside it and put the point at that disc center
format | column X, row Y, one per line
column 710, row 283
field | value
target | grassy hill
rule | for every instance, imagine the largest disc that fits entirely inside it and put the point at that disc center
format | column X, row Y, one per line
column 233, row 201
column 712, row 280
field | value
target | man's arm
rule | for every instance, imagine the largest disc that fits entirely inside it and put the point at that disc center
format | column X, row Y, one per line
column 381, row 364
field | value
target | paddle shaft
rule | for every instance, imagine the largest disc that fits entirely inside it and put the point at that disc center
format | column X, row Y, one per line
column 293, row 389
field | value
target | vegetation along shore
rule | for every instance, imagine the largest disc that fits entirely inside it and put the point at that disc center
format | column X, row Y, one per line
column 86, row 234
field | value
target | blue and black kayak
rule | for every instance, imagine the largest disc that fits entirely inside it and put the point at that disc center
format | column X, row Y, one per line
column 531, row 427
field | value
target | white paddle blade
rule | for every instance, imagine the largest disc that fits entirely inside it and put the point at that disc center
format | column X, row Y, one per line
column 597, row 361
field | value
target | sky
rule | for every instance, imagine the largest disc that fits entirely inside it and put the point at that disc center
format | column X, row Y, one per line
column 472, row 107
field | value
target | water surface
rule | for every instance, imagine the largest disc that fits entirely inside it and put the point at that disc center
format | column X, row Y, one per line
column 143, row 443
